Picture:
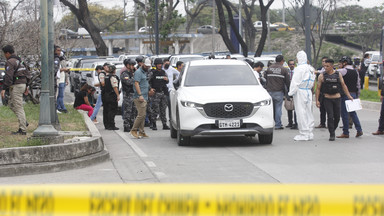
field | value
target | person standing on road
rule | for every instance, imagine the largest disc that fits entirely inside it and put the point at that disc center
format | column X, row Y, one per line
column 277, row 77
column 141, row 91
column 292, row 119
column 110, row 97
column 380, row 130
column 301, row 89
column 322, row 108
column 97, row 85
column 331, row 83
column 57, row 74
column 158, row 81
column 172, row 74
column 15, row 79
column 127, row 82
column 352, row 81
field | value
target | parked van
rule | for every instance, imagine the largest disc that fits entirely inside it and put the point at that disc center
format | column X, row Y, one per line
column 83, row 33
column 374, row 59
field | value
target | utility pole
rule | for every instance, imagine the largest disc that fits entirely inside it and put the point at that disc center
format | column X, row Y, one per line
column 283, row 11
column 136, row 26
column 240, row 25
column 157, row 26
column 45, row 119
column 307, row 20
column 213, row 27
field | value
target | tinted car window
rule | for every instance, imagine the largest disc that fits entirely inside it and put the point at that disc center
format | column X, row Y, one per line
column 220, row 76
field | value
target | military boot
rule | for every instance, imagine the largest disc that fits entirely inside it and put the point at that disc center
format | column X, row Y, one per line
column 154, row 127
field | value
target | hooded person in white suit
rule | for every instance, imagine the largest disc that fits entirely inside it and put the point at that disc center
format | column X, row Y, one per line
column 301, row 89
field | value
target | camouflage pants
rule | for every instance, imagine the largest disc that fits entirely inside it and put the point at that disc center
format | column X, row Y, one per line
column 159, row 106
column 129, row 110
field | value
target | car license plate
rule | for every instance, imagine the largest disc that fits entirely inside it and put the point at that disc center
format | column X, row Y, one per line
column 229, row 123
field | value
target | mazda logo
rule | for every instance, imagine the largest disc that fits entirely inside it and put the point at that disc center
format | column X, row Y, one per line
column 228, row 107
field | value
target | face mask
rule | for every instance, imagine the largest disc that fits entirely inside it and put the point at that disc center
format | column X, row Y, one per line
column 166, row 66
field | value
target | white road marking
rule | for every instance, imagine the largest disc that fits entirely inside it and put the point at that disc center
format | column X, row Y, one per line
column 150, row 164
column 131, row 143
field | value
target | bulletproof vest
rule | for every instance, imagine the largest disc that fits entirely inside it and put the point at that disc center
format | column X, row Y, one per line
column 331, row 83
column 128, row 88
column 21, row 70
column 108, row 89
column 350, row 79
column 158, row 82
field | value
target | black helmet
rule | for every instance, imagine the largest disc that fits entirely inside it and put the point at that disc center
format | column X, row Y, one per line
column 129, row 62
column 139, row 59
column 111, row 68
column 346, row 59
column 158, row 61
column 249, row 61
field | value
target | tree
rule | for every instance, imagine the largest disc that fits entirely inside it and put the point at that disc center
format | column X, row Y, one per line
column 169, row 18
column 263, row 17
column 84, row 17
column 192, row 13
column 322, row 15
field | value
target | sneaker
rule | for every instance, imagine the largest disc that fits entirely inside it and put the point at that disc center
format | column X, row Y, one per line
column 134, row 134
column 58, row 112
column 142, row 134
column 95, row 121
column 19, row 132
column 64, row 111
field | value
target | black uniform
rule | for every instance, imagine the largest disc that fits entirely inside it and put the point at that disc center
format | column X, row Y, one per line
column 159, row 100
column 109, row 99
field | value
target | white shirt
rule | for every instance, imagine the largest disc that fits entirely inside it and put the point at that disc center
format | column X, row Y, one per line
column 171, row 72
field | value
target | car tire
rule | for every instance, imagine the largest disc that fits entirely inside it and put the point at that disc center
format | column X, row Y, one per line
column 181, row 140
column 265, row 138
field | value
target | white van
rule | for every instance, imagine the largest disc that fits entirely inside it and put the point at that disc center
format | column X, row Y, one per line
column 374, row 58
column 83, row 33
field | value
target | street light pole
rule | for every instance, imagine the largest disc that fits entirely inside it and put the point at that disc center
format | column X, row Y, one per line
column 157, row 25
column 240, row 27
column 213, row 27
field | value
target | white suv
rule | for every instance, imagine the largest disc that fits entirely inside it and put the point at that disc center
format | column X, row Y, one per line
column 220, row 97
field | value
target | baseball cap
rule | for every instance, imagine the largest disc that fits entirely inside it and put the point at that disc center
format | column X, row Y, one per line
column 147, row 62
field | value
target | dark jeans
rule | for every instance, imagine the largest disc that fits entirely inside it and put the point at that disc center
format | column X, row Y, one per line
column 381, row 120
column 332, row 107
column 109, row 110
column 345, row 115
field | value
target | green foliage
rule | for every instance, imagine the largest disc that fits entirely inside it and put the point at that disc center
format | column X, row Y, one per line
column 107, row 20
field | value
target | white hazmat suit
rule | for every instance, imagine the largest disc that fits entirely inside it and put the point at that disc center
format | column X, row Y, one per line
column 301, row 90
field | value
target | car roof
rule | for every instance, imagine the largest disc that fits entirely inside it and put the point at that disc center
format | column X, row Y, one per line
column 187, row 55
column 216, row 62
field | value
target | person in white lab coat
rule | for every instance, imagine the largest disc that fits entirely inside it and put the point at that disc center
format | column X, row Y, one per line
column 301, row 90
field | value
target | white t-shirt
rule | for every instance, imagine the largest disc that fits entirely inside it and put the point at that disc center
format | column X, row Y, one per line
column 171, row 72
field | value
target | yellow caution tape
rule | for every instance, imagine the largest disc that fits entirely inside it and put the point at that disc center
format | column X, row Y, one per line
column 192, row 199
column 82, row 69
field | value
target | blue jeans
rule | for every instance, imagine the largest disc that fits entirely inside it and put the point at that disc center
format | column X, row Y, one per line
column 277, row 98
column 345, row 118
column 60, row 97
column 99, row 103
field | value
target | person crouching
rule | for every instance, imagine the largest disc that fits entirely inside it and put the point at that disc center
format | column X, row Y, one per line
column 81, row 100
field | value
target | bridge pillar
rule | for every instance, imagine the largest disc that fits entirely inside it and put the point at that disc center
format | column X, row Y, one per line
column 191, row 41
column 141, row 46
column 126, row 43
column 110, row 47
column 176, row 46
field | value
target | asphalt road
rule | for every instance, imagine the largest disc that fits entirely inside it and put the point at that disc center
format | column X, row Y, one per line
column 231, row 159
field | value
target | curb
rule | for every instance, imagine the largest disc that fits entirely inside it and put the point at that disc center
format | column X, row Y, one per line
column 56, row 157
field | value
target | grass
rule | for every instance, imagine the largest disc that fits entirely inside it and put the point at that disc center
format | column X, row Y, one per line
column 369, row 95
column 71, row 121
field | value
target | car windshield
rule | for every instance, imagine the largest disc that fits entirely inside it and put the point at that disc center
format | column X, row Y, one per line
column 87, row 65
column 215, row 75
column 375, row 58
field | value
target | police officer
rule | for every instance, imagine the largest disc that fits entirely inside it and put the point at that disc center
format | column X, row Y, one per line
column 158, row 81
column 127, row 82
column 110, row 96
column 16, row 79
